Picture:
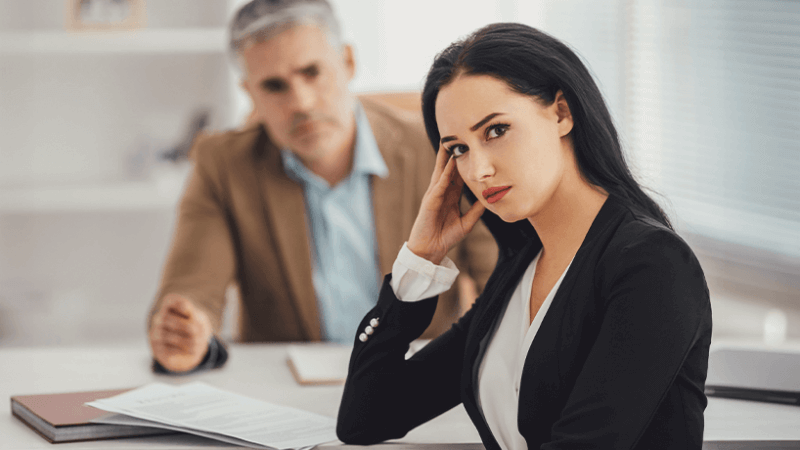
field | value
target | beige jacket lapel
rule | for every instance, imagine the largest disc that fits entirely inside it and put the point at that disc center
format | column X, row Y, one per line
column 391, row 197
column 285, row 212
column 392, row 200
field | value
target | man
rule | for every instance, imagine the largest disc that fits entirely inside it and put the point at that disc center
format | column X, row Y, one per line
column 305, row 209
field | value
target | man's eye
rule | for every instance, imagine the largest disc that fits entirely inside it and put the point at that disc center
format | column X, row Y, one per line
column 457, row 150
column 274, row 85
column 496, row 131
column 311, row 71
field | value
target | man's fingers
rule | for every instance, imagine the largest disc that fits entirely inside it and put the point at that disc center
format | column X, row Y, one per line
column 178, row 325
column 177, row 304
column 174, row 359
column 180, row 342
column 179, row 334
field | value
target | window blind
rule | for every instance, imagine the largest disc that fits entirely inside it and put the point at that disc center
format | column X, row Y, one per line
column 712, row 106
column 706, row 97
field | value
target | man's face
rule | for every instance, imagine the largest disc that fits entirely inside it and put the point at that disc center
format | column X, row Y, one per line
column 298, row 83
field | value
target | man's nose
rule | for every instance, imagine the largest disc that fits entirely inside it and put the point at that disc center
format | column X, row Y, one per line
column 303, row 97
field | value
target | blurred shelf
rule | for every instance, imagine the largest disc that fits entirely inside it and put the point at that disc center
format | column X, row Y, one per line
column 144, row 41
column 159, row 193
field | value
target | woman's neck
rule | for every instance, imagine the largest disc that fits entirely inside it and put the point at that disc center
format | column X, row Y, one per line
column 564, row 221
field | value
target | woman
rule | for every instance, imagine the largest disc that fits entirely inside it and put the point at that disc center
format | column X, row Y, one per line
column 593, row 331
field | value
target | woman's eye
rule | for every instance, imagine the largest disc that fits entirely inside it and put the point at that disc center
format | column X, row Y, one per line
column 496, row 131
column 457, row 150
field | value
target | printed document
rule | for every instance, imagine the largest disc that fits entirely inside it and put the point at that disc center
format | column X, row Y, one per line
column 201, row 409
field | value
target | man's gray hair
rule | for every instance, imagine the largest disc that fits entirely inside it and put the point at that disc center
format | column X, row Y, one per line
column 260, row 20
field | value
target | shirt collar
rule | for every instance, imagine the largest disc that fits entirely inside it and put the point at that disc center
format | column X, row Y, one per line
column 367, row 158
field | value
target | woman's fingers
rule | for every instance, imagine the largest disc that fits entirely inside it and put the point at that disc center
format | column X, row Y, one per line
column 457, row 182
column 447, row 178
column 442, row 157
column 471, row 217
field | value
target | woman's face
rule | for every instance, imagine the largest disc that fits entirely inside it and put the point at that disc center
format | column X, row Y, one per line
column 511, row 151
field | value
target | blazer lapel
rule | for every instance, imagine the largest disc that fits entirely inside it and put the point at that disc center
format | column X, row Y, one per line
column 485, row 323
column 392, row 197
column 494, row 306
column 610, row 214
column 285, row 212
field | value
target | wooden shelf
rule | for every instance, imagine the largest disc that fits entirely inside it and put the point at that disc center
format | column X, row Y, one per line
column 160, row 192
column 145, row 41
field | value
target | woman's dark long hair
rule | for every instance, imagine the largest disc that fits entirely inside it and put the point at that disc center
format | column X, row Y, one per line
column 536, row 64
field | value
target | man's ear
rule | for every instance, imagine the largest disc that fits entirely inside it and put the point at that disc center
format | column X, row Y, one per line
column 246, row 87
column 349, row 59
column 253, row 116
column 565, row 122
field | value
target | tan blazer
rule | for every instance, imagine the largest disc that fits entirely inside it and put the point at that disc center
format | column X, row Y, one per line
column 242, row 220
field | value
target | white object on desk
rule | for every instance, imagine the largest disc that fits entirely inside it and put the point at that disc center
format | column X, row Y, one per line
column 324, row 363
column 319, row 363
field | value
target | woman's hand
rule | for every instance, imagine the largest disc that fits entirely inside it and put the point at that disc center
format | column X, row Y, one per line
column 439, row 224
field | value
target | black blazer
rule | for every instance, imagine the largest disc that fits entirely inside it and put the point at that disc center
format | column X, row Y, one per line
column 619, row 361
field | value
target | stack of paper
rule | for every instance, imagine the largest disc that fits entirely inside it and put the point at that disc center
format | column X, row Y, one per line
column 200, row 409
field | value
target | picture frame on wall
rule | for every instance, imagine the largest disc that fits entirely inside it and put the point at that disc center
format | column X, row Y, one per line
column 103, row 15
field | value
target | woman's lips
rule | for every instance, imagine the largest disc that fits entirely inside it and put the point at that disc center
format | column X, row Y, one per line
column 494, row 194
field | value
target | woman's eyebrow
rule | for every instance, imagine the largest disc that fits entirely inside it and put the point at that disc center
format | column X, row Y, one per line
column 474, row 127
column 484, row 120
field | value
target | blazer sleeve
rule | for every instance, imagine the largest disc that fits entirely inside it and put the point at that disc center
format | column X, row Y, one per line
column 656, row 309
column 386, row 395
column 201, row 262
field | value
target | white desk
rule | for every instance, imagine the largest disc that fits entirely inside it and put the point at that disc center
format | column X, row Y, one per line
column 260, row 371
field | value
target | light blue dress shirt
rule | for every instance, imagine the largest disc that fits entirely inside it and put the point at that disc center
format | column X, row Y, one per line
column 345, row 268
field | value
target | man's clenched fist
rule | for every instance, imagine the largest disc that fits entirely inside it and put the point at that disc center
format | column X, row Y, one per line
column 179, row 334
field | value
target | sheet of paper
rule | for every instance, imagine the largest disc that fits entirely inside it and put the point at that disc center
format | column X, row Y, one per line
column 198, row 406
column 319, row 363
column 122, row 419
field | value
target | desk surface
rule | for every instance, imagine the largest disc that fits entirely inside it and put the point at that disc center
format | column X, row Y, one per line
column 260, row 371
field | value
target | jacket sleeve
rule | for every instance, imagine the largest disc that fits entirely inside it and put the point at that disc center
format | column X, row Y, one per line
column 201, row 262
column 386, row 395
column 656, row 310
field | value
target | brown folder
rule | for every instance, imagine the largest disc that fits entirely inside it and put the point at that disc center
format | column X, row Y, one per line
column 65, row 418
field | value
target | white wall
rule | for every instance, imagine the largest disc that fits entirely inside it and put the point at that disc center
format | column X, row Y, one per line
column 77, row 130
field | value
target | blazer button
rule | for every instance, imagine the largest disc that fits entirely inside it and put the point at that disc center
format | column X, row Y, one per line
column 369, row 330
column 374, row 323
column 363, row 337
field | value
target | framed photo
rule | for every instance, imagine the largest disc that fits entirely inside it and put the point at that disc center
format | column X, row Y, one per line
column 105, row 14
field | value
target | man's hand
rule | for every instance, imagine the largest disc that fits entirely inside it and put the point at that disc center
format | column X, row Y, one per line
column 179, row 334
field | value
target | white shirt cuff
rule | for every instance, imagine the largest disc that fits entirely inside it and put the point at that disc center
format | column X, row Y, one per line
column 415, row 278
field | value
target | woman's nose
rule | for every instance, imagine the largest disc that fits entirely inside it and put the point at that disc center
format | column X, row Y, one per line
column 482, row 165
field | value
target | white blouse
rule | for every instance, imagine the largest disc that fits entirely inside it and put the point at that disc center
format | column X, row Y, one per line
column 414, row 278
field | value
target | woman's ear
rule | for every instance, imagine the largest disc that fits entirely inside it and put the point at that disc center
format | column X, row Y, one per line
column 564, row 114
